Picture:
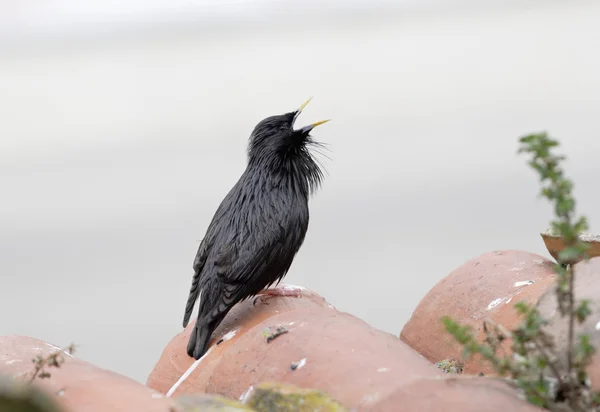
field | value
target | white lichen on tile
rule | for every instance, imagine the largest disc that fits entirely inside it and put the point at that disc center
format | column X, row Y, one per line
column 299, row 365
column 10, row 362
column 292, row 288
column 370, row 398
column 451, row 366
column 188, row 372
column 244, row 396
column 194, row 365
column 524, row 283
column 59, row 349
column 589, row 237
column 584, row 236
column 229, row 335
column 494, row 303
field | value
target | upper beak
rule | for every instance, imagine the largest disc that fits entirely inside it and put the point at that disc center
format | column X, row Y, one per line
column 302, row 106
column 308, row 128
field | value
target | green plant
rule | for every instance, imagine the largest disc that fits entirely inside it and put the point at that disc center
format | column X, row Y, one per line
column 533, row 362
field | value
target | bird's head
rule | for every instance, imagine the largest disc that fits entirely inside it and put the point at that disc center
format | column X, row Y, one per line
column 278, row 136
column 278, row 146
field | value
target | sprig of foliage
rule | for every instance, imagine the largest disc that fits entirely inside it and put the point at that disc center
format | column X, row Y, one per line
column 52, row 360
column 533, row 362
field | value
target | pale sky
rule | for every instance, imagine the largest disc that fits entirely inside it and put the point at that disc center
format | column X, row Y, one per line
column 44, row 17
column 115, row 151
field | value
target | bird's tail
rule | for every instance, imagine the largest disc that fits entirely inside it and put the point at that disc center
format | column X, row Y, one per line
column 198, row 343
column 216, row 302
column 194, row 292
column 205, row 326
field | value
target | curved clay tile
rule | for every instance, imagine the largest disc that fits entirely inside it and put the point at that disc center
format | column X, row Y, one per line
column 78, row 385
column 587, row 286
column 487, row 286
column 302, row 341
column 455, row 394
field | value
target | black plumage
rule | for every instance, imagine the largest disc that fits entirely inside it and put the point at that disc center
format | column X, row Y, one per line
column 259, row 226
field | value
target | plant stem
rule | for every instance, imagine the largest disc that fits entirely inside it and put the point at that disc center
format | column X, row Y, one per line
column 571, row 280
column 551, row 364
column 34, row 375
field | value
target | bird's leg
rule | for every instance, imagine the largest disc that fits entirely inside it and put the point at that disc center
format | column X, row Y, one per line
column 284, row 290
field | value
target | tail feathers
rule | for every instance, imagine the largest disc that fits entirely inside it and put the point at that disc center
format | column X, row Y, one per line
column 200, row 337
column 198, row 343
column 193, row 296
column 215, row 304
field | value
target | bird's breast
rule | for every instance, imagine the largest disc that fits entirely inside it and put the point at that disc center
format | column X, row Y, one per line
column 270, row 208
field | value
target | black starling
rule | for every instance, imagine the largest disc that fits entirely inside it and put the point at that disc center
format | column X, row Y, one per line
column 259, row 226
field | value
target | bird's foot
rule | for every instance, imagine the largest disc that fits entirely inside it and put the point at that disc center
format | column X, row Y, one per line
column 286, row 290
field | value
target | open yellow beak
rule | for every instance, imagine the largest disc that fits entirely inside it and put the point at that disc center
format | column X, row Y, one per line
column 313, row 125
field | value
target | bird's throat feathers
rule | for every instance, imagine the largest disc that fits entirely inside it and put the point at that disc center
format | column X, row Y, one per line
column 292, row 166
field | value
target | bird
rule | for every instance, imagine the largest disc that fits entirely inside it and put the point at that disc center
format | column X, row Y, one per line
column 259, row 226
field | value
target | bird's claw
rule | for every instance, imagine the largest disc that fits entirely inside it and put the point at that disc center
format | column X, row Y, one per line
column 289, row 291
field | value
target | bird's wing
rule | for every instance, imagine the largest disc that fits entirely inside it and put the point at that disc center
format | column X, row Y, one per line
column 252, row 253
column 234, row 287
column 199, row 262
column 240, row 264
column 202, row 253
column 211, row 240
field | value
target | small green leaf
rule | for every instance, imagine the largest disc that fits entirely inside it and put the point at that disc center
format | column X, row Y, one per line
column 569, row 254
column 533, row 353
column 583, row 310
column 522, row 307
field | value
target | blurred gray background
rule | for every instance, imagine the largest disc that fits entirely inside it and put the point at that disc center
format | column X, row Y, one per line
column 123, row 125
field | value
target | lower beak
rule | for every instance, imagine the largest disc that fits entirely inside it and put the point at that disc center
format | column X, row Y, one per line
column 308, row 128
